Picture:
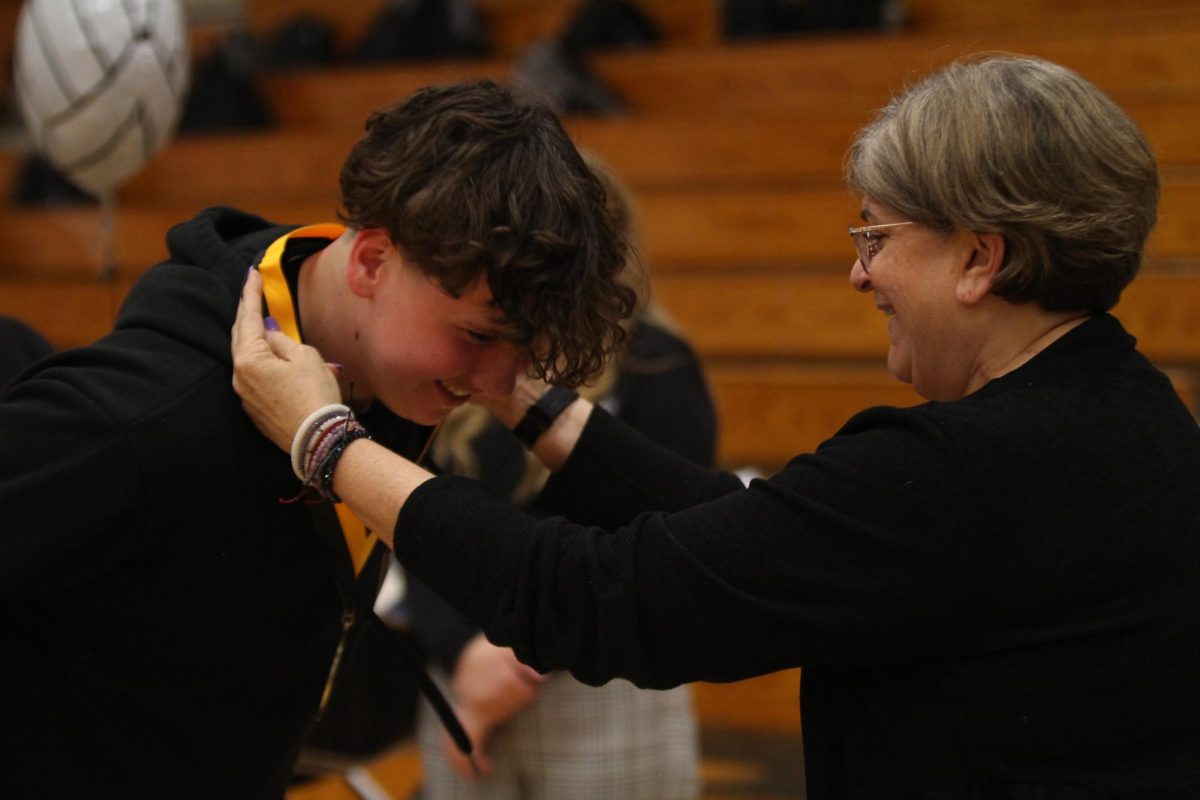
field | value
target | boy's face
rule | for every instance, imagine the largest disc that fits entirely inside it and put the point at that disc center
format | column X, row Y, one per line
column 424, row 352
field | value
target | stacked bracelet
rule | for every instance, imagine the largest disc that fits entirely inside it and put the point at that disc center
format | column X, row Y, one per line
column 541, row 415
column 328, row 464
column 309, row 430
column 319, row 444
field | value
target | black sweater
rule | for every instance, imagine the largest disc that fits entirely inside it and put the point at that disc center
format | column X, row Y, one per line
column 169, row 624
column 996, row 597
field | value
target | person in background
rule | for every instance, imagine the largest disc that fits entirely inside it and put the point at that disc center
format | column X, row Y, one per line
column 551, row 736
column 176, row 607
column 992, row 594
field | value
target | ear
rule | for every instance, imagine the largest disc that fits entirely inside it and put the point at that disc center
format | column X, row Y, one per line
column 369, row 251
column 987, row 256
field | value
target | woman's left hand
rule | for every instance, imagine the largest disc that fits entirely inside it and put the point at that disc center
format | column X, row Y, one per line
column 279, row 380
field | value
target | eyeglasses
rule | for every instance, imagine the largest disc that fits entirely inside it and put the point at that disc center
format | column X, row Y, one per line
column 867, row 239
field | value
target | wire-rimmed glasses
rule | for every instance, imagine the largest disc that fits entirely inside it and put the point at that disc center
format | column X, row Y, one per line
column 866, row 241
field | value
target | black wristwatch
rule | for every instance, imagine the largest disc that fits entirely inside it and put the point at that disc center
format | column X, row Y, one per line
column 541, row 415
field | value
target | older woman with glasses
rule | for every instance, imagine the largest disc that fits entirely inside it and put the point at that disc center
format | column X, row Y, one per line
column 993, row 595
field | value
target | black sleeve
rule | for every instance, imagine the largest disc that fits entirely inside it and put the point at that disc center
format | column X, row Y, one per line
column 848, row 554
column 616, row 472
column 439, row 628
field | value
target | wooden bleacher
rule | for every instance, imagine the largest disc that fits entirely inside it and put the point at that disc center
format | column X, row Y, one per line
column 511, row 25
column 1095, row 16
column 829, row 77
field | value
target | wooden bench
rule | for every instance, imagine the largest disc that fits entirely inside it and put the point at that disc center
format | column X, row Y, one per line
column 651, row 154
column 69, row 313
column 771, row 412
column 843, row 76
column 1095, row 16
column 515, row 24
column 789, row 228
column 510, row 25
column 786, row 229
column 760, row 316
column 249, row 168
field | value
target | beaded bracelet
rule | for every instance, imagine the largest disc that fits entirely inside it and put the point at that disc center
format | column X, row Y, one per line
column 330, row 462
column 308, row 430
column 318, row 445
column 324, row 440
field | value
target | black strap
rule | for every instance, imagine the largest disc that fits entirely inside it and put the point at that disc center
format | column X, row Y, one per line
column 404, row 651
column 359, row 592
column 541, row 415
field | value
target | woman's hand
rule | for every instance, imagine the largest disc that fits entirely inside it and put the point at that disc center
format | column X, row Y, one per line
column 554, row 446
column 511, row 407
column 280, row 381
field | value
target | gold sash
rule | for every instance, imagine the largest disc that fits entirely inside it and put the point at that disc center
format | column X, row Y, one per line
column 359, row 540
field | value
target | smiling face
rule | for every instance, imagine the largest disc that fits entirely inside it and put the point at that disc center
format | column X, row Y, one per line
column 421, row 351
column 914, row 276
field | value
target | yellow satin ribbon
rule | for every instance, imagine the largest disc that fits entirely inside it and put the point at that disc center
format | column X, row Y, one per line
column 360, row 541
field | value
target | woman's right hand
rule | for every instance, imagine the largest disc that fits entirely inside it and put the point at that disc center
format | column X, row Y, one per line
column 555, row 445
column 511, row 407
column 279, row 380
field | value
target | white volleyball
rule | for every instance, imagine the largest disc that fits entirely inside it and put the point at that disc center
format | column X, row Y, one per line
column 100, row 84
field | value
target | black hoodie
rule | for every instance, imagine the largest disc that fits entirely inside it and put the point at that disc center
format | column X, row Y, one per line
column 170, row 623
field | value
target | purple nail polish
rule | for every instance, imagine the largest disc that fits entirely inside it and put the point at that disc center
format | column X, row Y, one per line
column 270, row 324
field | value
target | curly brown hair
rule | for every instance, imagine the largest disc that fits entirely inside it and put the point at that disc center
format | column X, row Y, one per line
column 468, row 180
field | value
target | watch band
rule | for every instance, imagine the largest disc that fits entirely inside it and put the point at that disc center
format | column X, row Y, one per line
column 541, row 415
